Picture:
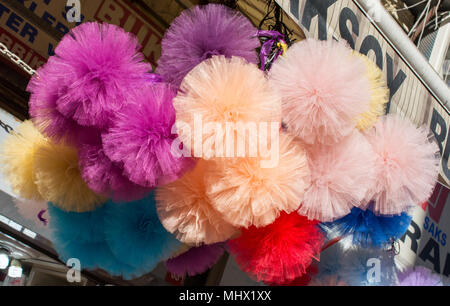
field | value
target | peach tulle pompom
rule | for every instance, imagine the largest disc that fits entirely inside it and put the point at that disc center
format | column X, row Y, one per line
column 246, row 193
column 407, row 165
column 341, row 175
column 185, row 210
column 323, row 89
column 379, row 95
column 36, row 211
column 279, row 252
column 219, row 91
column 59, row 181
column 17, row 158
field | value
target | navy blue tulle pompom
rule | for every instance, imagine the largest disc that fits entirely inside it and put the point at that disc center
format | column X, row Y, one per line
column 368, row 229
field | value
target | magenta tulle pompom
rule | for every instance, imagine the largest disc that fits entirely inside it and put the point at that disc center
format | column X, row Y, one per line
column 36, row 211
column 46, row 87
column 341, row 175
column 323, row 89
column 196, row 260
column 407, row 165
column 105, row 177
column 143, row 144
column 102, row 66
column 419, row 276
column 201, row 32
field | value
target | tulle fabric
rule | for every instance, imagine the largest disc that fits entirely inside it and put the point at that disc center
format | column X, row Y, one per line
column 341, row 176
column 195, row 261
column 102, row 66
column 367, row 229
column 247, row 194
column 105, row 177
column 144, row 145
column 123, row 242
column 379, row 95
column 36, row 211
column 201, row 32
column 59, row 180
column 46, row 87
column 355, row 266
column 407, row 165
column 328, row 281
column 279, row 252
column 220, row 91
column 185, row 210
column 323, row 89
column 419, row 276
column 17, row 160
column 135, row 235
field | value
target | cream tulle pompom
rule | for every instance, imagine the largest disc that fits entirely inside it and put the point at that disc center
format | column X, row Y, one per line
column 185, row 210
column 341, row 176
column 323, row 89
column 220, row 91
column 59, row 181
column 247, row 194
column 379, row 95
column 17, row 158
column 407, row 165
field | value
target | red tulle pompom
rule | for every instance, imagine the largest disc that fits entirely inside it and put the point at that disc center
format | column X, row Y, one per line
column 280, row 252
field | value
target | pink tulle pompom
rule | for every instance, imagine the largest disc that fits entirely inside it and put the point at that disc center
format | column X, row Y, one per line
column 196, row 260
column 46, row 87
column 186, row 211
column 247, row 193
column 279, row 252
column 407, row 165
column 341, row 175
column 105, row 177
column 102, row 66
column 144, row 144
column 34, row 211
column 323, row 89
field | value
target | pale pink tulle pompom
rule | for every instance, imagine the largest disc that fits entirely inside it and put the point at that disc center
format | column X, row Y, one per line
column 323, row 89
column 407, row 165
column 341, row 175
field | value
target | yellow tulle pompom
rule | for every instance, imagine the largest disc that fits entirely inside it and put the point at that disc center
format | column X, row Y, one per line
column 249, row 192
column 17, row 156
column 379, row 95
column 59, row 181
column 185, row 210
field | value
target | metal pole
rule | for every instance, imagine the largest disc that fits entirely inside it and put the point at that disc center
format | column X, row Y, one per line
column 406, row 49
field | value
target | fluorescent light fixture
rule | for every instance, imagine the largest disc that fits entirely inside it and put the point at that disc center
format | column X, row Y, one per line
column 15, row 225
column 4, row 260
column 15, row 272
column 29, row 233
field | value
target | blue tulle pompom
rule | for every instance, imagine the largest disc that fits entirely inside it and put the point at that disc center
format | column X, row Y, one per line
column 80, row 236
column 125, row 240
column 136, row 236
column 357, row 266
column 368, row 229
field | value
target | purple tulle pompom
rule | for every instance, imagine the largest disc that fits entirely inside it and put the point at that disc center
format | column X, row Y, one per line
column 196, row 260
column 102, row 66
column 419, row 276
column 144, row 144
column 200, row 33
column 105, row 177
column 46, row 87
